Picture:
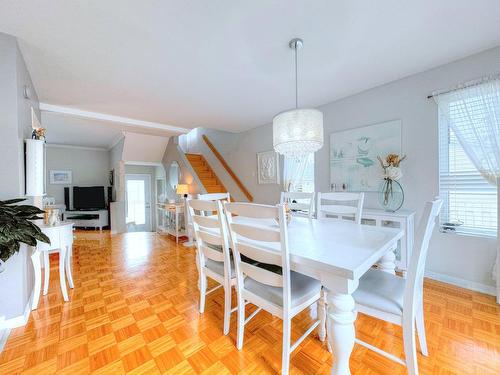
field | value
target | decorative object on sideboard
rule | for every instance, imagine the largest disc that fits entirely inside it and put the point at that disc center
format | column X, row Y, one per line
column 299, row 131
column 268, row 167
column 16, row 226
column 60, row 177
column 353, row 155
column 391, row 196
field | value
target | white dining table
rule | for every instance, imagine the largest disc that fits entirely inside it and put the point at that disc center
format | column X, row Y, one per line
column 338, row 253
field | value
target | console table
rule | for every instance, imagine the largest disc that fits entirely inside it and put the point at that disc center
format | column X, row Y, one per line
column 171, row 219
column 61, row 239
column 402, row 219
column 87, row 219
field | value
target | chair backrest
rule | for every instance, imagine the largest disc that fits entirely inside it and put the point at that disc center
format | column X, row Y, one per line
column 415, row 277
column 260, row 242
column 215, row 197
column 335, row 204
column 307, row 206
column 210, row 232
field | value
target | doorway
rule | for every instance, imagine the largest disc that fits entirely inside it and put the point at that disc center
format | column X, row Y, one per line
column 138, row 202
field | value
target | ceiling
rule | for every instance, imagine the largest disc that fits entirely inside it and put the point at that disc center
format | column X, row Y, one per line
column 226, row 63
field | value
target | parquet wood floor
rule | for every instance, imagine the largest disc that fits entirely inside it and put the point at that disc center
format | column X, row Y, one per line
column 134, row 310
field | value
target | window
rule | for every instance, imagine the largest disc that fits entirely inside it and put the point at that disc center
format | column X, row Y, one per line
column 469, row 200
column 299, row 174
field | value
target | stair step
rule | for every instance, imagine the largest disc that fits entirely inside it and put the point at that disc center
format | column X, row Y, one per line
column 194, row 157
column 209, row 181
column 197, row 163
column 205, row 174
column 215, row 189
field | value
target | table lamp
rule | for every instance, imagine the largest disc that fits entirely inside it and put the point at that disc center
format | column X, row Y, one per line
column 183, row 189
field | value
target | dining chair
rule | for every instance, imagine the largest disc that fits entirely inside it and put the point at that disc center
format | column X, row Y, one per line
column 398, row 300
column 291, row 198
column 335, row 204
column 283, row 294
column 213, row 254
column 215, row 197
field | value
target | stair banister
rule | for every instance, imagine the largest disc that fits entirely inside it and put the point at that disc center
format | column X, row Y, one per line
column 228, row 168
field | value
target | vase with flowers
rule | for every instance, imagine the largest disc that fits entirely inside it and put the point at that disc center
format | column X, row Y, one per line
column 391, row 196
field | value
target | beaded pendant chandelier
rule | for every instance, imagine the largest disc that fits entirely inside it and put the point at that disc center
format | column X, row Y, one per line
column 299, row 131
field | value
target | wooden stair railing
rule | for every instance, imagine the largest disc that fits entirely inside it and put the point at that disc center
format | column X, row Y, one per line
column 228, row 168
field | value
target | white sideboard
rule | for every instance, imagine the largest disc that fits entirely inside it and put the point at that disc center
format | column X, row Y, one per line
column 403, row 219
column 87, row 219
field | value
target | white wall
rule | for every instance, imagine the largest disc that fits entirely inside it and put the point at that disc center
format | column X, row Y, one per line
column 465, row 260
column 89, row 168
column 16, row 282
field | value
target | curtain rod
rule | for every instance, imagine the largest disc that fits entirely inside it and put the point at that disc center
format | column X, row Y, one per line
column 465, row 85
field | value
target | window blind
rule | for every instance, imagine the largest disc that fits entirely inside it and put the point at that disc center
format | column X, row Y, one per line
column 469, row 201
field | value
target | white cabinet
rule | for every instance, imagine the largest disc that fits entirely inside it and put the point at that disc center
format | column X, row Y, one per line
column 87, row 219
column 402, row 219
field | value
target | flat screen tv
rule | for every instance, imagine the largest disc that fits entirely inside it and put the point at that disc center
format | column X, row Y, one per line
column 88, row 198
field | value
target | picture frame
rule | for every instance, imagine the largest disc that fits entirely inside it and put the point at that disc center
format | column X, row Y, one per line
column 353, row 155
column 268, row 167
column 60, row 177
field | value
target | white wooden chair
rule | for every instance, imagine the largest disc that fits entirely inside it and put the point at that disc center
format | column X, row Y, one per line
column 213, row 254
column 215, row 197
column 334, row 204
column 397, row 300
column 306, row 207
column 283, row 295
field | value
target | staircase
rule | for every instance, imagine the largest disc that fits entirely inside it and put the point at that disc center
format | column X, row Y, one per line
column 206, row 175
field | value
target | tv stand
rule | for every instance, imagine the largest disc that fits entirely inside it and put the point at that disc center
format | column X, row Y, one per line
column 87, row 218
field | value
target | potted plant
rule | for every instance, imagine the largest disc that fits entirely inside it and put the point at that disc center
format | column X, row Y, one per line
column 16, row 227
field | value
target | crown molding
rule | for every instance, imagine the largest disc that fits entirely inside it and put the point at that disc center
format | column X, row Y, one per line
column 88, row 148
column 111, row 118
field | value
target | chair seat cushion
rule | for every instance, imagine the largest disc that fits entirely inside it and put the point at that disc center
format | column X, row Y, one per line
column 381, row 291
column 302, row 288
column 218, row 267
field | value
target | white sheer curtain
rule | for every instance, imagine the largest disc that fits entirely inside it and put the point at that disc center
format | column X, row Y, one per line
column 473, row 113
column 294, row 170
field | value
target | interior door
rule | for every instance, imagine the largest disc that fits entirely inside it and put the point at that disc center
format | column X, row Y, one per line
column 138, row 202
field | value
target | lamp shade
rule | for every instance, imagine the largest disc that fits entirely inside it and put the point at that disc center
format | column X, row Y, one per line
column 182, row 189
column 298, row 132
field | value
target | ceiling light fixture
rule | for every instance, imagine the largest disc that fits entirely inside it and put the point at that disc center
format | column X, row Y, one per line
column 298, row 132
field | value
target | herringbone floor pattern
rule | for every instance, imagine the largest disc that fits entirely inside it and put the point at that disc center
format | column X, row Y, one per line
column 134, row 310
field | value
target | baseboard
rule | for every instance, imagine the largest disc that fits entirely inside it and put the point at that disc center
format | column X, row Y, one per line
column 467, row 284
column 4, row 335
column 21, row 320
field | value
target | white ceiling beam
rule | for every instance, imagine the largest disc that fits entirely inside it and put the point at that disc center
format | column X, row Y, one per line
column 111, row 118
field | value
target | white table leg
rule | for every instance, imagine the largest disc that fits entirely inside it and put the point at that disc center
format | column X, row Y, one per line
column 35, row 259
column 62, row 276
column 46, row 277
column 388, row 262
column 341, row 333
column 69, row 261
column 322, row 316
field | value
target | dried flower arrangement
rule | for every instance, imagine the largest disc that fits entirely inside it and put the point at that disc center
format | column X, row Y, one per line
column 392, row 172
